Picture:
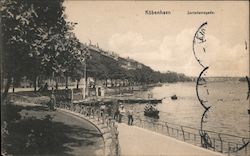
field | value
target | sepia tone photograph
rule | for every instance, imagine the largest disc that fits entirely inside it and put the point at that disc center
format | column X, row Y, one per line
column 124, row 78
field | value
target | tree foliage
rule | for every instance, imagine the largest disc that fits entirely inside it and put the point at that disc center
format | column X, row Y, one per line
column 103, row 67
column 37, row 40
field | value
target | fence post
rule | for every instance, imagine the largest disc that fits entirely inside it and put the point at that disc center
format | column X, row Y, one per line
column 154, row 126
column 246, row 150
column 183, row 133
column 167, row 128
column 221, row 143
column 201, row 138
column 214, row 143
column 116, row 141
column 237, row 147
column 72, row 95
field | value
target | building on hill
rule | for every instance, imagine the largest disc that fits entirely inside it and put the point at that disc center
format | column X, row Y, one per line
column 129, row 64
column 109, row 54
column 126, row 63
column 94, row 48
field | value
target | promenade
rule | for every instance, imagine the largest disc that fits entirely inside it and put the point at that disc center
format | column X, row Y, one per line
column 137, row 141
column 74, row 133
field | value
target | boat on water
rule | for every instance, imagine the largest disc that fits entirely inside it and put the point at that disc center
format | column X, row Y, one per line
column 151, row 111
column 174, row 97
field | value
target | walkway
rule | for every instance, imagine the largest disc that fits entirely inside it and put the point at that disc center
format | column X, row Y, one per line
column 137, row 141
column 55, row 132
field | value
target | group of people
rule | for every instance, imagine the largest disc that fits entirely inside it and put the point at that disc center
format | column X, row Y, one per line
column 150, row 107
column 120, row 112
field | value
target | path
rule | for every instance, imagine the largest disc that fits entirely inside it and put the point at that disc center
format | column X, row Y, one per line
column 137, row 141
column 64, row 134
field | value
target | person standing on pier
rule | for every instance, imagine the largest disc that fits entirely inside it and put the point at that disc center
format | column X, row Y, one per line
column 122, row 112
column 130, row 115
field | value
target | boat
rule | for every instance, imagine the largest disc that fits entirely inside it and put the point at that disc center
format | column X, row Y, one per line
column 174, row 97
column 151, row 111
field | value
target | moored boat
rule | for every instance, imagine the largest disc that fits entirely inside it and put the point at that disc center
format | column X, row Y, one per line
column 174, row 97
column 151, row 111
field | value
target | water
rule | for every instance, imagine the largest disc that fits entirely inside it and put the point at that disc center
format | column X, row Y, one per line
column 228, row 113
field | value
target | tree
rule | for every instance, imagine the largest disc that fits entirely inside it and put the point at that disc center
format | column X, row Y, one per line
column 76, row 56
column 37, row 40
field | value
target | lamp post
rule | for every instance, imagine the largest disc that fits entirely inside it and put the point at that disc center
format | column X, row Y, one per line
column 84, row 60
column 53, row 78
column 85, row 78
column 53, row 98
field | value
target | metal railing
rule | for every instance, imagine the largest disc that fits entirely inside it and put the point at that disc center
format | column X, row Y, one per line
column 219, row 142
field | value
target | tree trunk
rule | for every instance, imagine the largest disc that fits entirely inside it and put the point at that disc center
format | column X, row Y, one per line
column 13, row 84
column 77, row 84
column 34, row 83
column 67, row 79
column 6, row 89
column 94, row 82
column 57, row 83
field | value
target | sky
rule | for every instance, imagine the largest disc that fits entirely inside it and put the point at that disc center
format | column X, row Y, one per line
column 164, row 42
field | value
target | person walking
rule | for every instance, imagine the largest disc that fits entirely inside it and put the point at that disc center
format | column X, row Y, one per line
column 116, row 113
column 52, row 102
column 102, row 109
column 109, row 110
column 130, row 115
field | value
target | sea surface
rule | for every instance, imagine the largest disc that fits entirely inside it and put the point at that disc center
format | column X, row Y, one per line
column 228, row 113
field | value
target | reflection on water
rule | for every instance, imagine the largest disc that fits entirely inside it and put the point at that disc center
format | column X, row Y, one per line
column 228, row 113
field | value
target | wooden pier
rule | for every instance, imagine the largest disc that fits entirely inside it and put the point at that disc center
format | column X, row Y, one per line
column 110, row 100
column 140, row 100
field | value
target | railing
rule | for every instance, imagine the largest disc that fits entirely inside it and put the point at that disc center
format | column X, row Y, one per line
column 102, row 120
column 219, row 142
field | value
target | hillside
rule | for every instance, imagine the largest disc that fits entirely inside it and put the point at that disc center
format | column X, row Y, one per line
column 108, row 65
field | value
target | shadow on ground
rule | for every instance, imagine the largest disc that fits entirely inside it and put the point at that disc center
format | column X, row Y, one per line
column 43, row 136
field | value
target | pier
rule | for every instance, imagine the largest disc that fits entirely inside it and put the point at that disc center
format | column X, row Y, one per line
column 117, row 100
column 140, row 100
column 138, row 141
